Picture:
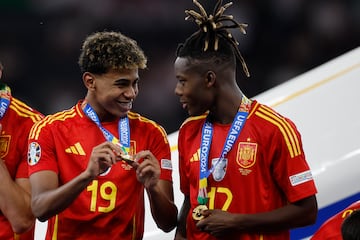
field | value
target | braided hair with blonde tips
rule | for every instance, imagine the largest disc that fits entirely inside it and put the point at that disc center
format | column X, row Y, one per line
column 213, row 39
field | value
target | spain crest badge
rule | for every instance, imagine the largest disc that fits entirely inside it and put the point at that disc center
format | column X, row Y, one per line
column 246, row 156
column 4, row 145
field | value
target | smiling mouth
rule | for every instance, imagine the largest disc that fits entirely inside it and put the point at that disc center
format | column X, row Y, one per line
column 126, row 105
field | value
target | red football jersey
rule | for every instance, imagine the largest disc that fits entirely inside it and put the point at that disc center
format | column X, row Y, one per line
column 112, row 206
column 16, row 125
column 264, row 170
column 331, row 229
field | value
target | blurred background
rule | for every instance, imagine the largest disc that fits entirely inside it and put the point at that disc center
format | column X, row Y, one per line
column 40, row 43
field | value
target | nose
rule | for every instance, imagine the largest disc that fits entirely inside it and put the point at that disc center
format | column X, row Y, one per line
column 131, row 92
column 178, row 90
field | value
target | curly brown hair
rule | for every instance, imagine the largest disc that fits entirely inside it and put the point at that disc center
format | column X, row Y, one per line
column 108, row 50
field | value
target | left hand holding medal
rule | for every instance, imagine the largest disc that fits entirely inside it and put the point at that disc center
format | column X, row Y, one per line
column 147, row 168
column 216, row 222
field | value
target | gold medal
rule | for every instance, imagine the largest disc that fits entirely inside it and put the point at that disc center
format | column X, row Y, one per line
column 196, row 213
column 126, row 158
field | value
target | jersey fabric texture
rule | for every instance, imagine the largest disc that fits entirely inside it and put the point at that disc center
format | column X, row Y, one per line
column 16, row 125
column 264, row 170
column 112, row 206
column 331, row 229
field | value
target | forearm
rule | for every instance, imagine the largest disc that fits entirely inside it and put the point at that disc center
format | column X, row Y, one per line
column 163, row 209
column 291, row 216
column 181, row 226
column 48, row 203
column 15, row 203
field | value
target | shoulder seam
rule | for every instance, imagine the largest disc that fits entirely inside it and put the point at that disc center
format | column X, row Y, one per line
column 24, row 110
column 194, row 118
column 132, row 115
column 287, row 131
column 60, row 116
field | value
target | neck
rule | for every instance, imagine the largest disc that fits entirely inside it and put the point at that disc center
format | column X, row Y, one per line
column 226, row 109
column 103, row 115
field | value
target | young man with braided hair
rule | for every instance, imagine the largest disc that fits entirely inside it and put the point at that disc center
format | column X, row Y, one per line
column 89, row 165
column 16, row 120
column 242, row 167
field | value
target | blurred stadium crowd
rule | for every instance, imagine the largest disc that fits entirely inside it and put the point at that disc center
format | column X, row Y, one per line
column 40, row 42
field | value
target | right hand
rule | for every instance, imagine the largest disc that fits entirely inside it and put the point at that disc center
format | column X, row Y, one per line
column 102, row 157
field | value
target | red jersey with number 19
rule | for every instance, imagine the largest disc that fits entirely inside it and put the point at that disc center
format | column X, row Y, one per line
column 112, row 206
column 265, row 168
column 16, row 125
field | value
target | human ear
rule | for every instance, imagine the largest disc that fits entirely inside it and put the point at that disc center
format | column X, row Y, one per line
column 210, row 78
column 89, row 80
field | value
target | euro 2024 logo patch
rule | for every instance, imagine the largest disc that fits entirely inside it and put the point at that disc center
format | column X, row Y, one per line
column 34, row 153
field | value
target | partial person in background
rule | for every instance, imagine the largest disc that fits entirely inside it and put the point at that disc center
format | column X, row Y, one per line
column 16, row 120
column 243, row 171
column 89, row 165
column 350, row 228
column 331, row 228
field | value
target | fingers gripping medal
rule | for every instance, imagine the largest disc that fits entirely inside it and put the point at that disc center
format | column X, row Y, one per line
column 125, row 156
column 196, row 213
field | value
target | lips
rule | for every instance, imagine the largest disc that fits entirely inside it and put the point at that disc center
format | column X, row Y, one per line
column 125, row 105
column 184, row 105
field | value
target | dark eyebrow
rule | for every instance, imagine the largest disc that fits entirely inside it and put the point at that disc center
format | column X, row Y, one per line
column 121, row 80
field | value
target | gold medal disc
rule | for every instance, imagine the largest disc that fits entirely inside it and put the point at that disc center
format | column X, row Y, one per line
column 126, row 158
column 196, row 214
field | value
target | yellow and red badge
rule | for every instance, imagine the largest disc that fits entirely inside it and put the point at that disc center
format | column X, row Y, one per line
column 4, row 145
column 246, row 156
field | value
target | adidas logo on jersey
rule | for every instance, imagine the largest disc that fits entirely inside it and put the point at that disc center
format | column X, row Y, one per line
column 76, row 149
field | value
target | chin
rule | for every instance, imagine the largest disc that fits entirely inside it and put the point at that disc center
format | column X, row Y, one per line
column 121, row 114
column 194, row 114
column 191, row 113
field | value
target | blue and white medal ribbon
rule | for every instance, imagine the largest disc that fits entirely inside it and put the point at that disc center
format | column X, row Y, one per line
column 5, row 95
column 123, row 128
column 206, row 137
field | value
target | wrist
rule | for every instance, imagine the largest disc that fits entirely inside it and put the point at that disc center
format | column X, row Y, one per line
column 153, row 188
column 86, row 176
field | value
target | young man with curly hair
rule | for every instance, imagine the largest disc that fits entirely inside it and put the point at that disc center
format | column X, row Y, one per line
column 89, row 165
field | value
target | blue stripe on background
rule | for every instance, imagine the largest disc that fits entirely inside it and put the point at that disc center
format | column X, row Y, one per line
column 323, row 214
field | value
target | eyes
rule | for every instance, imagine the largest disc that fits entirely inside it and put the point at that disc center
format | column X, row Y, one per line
column 181, row 81
column 126, row 83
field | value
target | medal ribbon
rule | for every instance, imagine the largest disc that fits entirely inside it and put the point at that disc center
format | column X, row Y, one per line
column 123, row 128
column 206, row 137
column 5, row 95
